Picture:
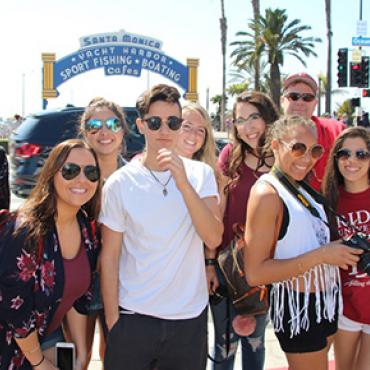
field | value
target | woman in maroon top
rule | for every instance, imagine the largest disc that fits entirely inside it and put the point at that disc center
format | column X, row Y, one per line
column 49, row 252
column 346, row 186
column 242, row 163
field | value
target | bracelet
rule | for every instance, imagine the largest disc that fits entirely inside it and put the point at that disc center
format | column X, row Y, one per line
column 210, row 261
column 40, row 362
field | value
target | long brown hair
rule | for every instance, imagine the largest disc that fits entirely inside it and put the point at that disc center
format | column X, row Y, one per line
column 38, row 213
column 333, row 179
column 240, row 149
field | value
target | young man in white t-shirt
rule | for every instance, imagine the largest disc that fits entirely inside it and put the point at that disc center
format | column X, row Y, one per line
column 156, row 213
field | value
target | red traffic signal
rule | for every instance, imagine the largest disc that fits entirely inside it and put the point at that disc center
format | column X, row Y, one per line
column 366, row 93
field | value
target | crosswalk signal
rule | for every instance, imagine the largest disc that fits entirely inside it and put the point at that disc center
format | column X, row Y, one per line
column 355, row 74
column 342, row 67
column 365, row 72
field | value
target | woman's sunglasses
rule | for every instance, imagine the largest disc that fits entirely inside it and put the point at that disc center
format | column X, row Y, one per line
column 300, row 149
column 345, row 154
column 306, row 97
column 72, row 170
column 154, row 123
column 94, row 125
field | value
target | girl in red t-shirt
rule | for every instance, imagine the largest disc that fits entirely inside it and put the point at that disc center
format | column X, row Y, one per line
column 346, row 185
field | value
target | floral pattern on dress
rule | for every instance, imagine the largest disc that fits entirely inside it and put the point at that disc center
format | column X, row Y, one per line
column 31, row 289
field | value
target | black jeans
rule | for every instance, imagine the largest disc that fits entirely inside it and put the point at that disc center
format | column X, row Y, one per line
column 140, row 342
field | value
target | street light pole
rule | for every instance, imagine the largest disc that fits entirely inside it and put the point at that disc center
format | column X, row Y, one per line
column 223, row 25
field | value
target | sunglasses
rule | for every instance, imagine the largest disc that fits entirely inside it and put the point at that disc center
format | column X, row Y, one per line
column 72, row 170
column 345, row 154
column 306, row 97
column 252, row 117
column 94, row 125
column 155, row 122
column 300, row 149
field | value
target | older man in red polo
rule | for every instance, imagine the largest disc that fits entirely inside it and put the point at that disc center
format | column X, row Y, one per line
column 300, row 97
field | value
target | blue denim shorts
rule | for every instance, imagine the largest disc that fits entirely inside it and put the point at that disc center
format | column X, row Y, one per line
column 50, row 340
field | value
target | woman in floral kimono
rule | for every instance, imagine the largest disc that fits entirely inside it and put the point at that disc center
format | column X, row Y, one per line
column 48, row 252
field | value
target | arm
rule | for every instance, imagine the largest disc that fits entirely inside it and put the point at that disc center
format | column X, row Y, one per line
column 77, row 325
column 30, row 346
column 260, row 268
column 109, row 259
column 211, row 275
column 205, row 213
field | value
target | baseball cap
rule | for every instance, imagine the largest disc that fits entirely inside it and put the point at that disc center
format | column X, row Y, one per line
column 301, row 77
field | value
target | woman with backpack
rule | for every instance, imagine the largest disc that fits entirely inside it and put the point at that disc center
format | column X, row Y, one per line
column 242, row 162
column 48, row 254
column 346, row 187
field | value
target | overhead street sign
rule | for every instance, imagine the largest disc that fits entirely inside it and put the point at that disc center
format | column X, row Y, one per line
column 361, row 41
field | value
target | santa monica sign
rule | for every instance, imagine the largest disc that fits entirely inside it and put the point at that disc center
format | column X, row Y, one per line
column 118, row 53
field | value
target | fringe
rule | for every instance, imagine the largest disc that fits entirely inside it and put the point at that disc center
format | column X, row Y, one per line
column 326, row 282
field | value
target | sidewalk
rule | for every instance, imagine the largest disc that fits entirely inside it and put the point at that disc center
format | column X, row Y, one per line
column 275, row 358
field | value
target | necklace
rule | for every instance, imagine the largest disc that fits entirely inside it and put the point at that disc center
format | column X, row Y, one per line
column 164, row 186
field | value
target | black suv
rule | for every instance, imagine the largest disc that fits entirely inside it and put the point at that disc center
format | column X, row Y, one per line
column 31, row 143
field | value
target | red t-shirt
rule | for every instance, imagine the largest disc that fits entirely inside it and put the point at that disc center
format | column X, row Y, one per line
column 327, row 131
column 238, row 194
column 355, row 284
column 77, row 278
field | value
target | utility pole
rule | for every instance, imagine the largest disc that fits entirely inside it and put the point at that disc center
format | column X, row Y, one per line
column 223, row 25
column 328, row 68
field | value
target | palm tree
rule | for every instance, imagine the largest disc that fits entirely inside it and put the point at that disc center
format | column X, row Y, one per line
column 329, row 35
column 257, row 69
column 277, row 38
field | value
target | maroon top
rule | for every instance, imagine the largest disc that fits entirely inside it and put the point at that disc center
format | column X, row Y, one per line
column 355, row 207
column 77, row 279
column 238, row 194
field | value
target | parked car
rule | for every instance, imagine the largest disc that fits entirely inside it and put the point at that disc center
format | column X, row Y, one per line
column 31, row 143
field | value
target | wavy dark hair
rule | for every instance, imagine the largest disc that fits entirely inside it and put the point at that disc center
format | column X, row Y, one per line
column 240, row 149
column 333, row 179
column 38, row 213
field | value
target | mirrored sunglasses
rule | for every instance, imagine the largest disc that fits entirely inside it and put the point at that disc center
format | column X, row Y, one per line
column 306, row 97
column 345, row 154
column 154, row 123
column 72, row 170
column 300, row 149
column 94, row 125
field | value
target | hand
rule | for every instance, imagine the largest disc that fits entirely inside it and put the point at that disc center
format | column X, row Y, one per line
column 336, row 253
column 45, row 365
column 212, row 280
column 169, row 160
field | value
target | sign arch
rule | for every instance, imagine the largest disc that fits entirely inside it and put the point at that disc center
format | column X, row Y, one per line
column 118, row 53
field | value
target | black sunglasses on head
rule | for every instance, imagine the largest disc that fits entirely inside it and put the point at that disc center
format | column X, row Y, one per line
column 306, row 97
column 154, row 123
column 72, row 170
column 345, row 154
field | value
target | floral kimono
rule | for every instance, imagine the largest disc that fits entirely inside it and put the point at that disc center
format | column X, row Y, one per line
column 31, row 287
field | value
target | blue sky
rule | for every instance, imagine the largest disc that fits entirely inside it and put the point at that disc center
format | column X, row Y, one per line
column 188, row 28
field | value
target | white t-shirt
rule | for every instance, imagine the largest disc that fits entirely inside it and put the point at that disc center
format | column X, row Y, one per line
column 161, row 270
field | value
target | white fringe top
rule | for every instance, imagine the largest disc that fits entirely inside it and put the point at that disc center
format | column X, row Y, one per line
column 304, row 233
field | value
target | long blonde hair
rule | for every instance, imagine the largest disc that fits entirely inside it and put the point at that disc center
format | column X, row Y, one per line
column 207, row 152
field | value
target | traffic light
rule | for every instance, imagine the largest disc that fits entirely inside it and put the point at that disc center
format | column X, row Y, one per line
column 365, row 72
column 366, row 93
column 355, row 74
column 342, row 67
